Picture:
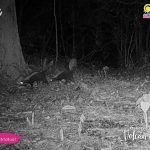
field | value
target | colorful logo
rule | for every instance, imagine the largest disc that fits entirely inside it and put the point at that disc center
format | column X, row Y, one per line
column 146, row 14
column 9, row 138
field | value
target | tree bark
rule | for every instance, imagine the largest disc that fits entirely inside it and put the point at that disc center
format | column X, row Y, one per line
column 11, row 57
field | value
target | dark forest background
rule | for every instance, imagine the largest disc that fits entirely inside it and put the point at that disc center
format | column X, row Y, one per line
column 110, row 32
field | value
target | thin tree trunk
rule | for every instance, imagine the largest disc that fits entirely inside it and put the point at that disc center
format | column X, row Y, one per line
column 56, row 30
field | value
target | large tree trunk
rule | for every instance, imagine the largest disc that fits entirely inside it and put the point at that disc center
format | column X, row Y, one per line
column 11, row 57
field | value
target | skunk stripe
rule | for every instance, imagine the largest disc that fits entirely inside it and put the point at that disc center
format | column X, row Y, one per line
column 29, row 76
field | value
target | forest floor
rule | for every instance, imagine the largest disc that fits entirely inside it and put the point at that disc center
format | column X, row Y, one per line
column 94, row 113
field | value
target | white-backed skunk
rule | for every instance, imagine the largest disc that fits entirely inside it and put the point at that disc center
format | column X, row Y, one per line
column 35, row 77
column 38, row 76
column 67, row 74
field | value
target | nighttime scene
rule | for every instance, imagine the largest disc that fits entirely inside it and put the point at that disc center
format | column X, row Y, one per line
column 74, row 75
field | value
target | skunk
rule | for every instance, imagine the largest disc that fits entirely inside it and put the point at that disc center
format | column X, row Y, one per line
column 66, row 75
column 35, row 77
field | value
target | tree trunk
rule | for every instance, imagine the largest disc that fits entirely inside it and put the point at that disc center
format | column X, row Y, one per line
column 11, row 57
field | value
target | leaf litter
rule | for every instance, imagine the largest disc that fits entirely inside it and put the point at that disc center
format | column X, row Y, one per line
column 93, row 113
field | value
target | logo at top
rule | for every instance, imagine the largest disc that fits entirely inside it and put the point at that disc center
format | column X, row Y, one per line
column 146, row 14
